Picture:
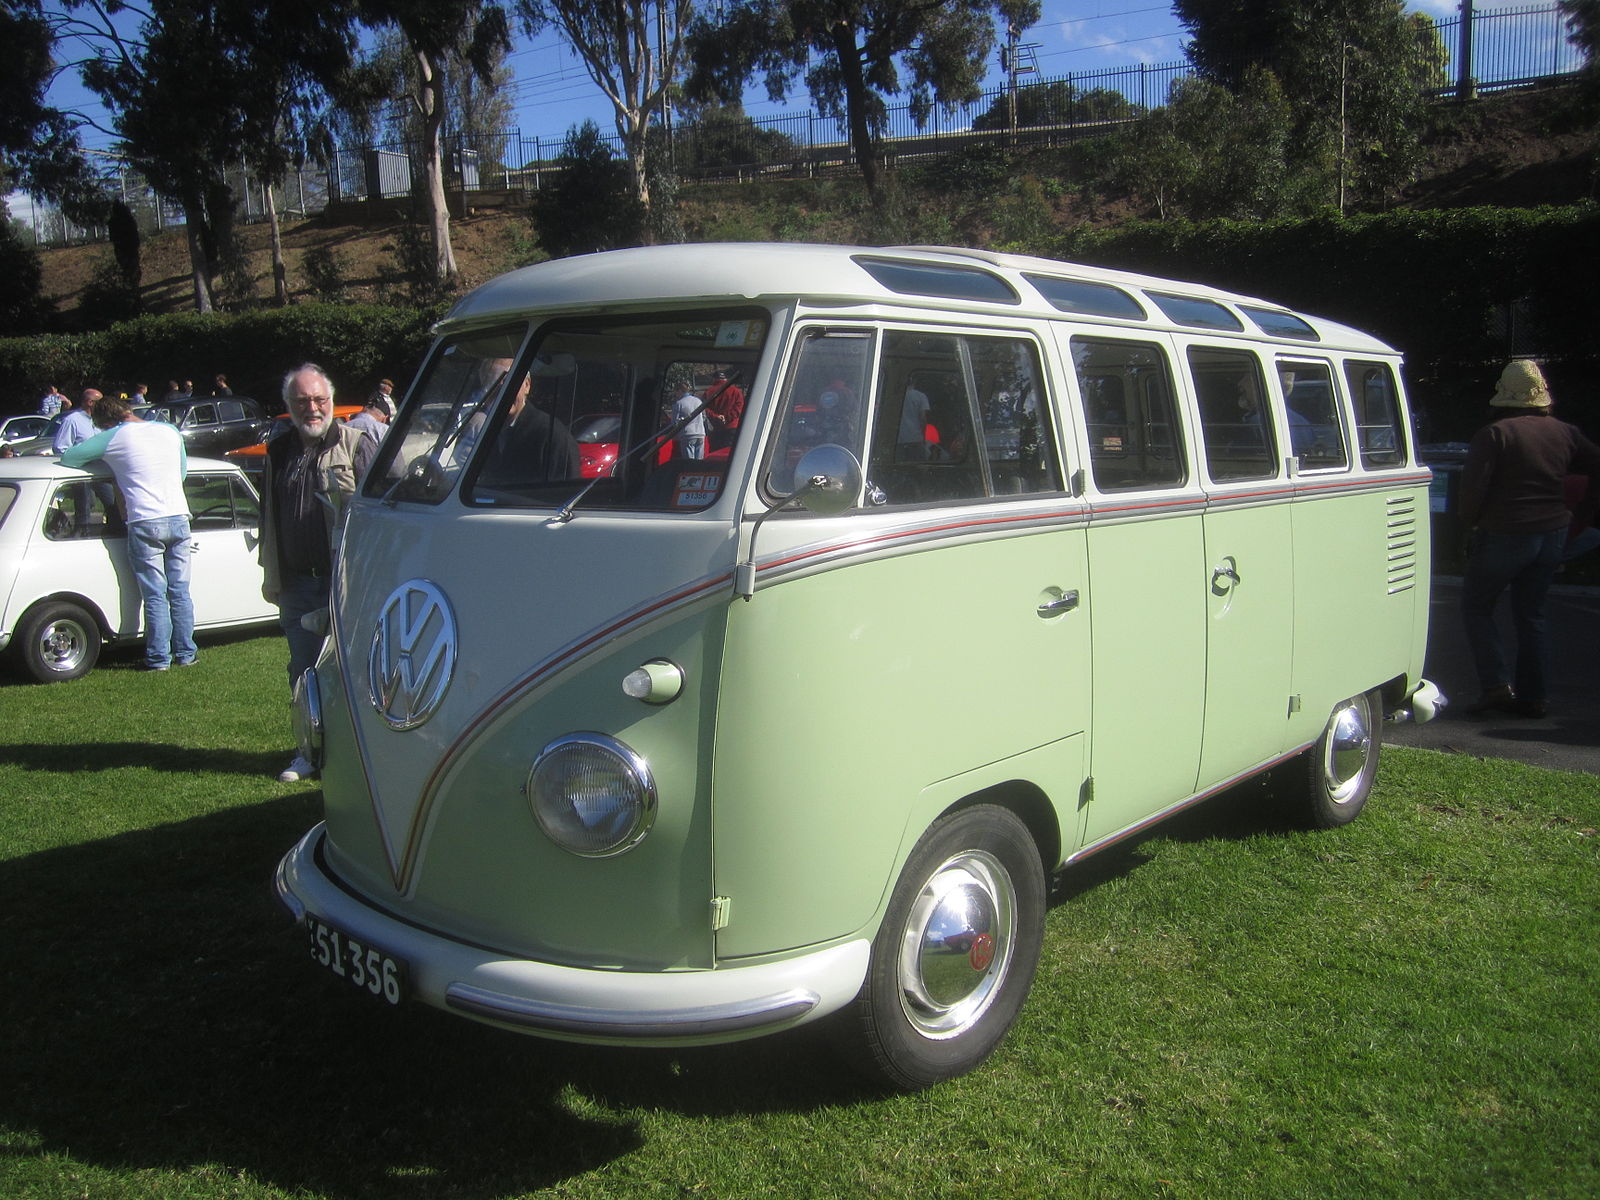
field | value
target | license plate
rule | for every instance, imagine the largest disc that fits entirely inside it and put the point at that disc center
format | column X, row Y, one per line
column 352, row 960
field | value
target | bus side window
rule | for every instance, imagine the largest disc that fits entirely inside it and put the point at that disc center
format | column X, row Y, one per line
column 1316, row 430
column 960, row 417
column 1377, row 405
column 1234, row 418
column 1135, row 440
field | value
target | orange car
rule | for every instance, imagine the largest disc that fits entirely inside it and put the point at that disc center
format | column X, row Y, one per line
column 251, row 459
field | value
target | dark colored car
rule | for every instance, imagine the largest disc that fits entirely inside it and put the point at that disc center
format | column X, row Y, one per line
column 212, row 426
column 17, row 429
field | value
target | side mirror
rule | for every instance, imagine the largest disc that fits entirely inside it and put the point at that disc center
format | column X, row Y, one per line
column 829, row 479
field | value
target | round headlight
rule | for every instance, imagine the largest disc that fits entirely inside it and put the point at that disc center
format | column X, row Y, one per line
column 591, row 794
column 308, row 717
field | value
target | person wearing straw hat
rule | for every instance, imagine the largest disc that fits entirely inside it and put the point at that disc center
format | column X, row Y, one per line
column 1511, row 500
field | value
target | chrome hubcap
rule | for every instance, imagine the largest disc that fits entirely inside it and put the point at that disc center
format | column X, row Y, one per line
column 63, row 645
column 1349, row 747
column 957, row 944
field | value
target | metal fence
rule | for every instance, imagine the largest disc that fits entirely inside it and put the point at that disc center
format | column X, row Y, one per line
column 1502, row 48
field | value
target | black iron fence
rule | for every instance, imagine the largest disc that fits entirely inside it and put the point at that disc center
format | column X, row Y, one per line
column 1503, row 48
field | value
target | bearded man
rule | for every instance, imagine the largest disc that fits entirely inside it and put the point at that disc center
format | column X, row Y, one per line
column 312, row 470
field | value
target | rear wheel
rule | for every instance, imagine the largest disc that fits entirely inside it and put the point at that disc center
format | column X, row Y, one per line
column 1333, row 779
column 57, row 641
column 956, row 954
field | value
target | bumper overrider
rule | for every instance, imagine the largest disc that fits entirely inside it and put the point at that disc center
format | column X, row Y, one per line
column 574, row 1003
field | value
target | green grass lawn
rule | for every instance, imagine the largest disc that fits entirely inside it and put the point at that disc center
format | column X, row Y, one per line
column 1407, row 1007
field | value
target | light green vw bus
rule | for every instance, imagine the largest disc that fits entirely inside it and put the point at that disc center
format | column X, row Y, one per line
column 732, row 636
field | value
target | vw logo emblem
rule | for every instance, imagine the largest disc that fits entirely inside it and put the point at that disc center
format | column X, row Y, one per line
column 413, row 654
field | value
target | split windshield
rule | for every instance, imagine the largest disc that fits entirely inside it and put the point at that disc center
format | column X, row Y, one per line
column 634, row 412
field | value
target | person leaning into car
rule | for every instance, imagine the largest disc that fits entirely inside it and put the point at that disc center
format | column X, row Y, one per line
column 311, row 471
column 149, row 463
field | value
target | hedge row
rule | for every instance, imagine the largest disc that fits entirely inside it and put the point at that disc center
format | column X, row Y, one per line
column 356, row 344
column 1458, row 291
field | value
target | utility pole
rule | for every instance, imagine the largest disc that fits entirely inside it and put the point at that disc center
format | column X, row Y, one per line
column 1465, row 88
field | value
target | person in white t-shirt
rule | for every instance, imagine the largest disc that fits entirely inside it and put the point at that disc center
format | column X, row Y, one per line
column 691, row 436
column 149, row 462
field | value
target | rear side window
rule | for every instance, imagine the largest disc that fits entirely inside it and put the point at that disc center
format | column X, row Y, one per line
column 1377, row 405
column 1129, row 409
column 1316, row 425
column 960, row 417
column 83, row 510
column 1235, row 418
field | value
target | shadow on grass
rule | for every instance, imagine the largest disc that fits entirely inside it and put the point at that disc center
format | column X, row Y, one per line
column 160, row 1014
column 1262, row 805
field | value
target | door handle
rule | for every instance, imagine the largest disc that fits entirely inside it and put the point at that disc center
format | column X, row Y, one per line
column 1065, row 602
column 1224, row 576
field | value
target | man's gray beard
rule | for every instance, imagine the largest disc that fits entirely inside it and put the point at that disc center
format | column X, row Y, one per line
column 310, row 435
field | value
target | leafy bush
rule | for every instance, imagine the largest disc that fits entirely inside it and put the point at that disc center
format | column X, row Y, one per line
column 324, row 269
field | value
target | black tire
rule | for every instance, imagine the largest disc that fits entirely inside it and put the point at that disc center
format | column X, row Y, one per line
column 57, row 641
column 1333, row 779
column 956, row 954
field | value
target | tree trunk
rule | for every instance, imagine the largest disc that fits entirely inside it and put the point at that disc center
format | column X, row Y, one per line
column 280, row 273
column 432, row 104
column 855, row 94
column 636, row 140
column 199, row 269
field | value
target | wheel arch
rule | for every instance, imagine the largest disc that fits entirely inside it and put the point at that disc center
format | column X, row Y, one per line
column 78, row 599
column 1028, row 802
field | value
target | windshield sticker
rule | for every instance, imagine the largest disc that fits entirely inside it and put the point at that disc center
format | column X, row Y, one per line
column 740, row 333
column 696, row 490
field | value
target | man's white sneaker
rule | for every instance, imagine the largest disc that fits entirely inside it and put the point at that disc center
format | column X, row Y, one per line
column 296, row 771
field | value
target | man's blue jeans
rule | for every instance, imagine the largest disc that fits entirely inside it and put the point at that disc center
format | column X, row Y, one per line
column 159, row 550
column 1525, row 563
column 299, row 595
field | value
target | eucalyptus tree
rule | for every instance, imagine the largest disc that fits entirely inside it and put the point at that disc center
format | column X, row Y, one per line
column 1354, row 71
column 437, row 33
column 173, row 99
column 34, row 140
column 853, row 56
column 634, row 51
column 1583, row 31
column 39, row 144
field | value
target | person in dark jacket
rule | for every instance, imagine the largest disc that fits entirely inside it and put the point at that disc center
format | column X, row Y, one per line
column 1512, row 501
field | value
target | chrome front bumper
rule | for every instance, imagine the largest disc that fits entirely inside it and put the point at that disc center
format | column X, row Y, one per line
column 659, row 1008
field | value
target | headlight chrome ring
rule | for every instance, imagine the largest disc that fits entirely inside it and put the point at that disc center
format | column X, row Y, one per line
column 592, row 795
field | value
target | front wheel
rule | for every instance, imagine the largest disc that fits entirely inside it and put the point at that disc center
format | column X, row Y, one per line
column 956, row 954
column 57, row 641
column 1336, row 774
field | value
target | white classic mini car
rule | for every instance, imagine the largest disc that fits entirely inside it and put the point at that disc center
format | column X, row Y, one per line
column 66, row 586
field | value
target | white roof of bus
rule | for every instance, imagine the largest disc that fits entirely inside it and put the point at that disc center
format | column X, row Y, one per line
column 756, row 270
